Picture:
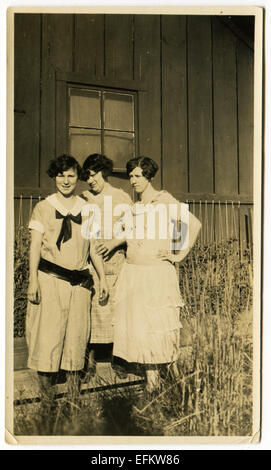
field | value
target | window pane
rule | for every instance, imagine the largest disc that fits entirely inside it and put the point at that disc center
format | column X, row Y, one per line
column 118, row 111
column 119, row 146
column 85, row 108
column 84, row 142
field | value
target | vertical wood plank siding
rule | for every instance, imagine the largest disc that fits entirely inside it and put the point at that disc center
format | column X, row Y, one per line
column 200, row 104
column 57, row 54
column 27, row 99
column 89, row 44
column 225, row 110
column 195, row 115
column 119, row 47
column 174, row 112
column 244, row 61
column 147, row 56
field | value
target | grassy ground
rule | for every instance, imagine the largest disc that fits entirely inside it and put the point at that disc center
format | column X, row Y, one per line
column 212, row 394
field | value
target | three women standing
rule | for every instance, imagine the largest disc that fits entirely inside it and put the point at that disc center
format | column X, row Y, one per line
column 141, row 315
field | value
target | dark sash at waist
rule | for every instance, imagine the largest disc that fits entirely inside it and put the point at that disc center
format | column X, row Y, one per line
column 73, row 276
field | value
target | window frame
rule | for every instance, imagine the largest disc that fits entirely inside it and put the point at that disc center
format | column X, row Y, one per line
column 65, row 81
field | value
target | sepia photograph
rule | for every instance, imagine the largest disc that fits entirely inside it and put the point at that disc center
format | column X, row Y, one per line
column 134, row 235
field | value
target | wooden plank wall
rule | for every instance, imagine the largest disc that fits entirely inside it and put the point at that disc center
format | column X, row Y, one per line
column 195, row 117
column 56, row 54
column 27, row 100
column 175, row 115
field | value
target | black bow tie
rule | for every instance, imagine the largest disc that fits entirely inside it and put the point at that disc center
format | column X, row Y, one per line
column 66, row 229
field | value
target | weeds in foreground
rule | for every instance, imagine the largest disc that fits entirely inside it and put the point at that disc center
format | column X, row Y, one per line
column 21, row 270
column 212, row 392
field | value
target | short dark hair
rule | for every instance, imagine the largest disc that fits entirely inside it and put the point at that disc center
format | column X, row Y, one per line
column 149, row 166
column 63, row 163
column 96, row 162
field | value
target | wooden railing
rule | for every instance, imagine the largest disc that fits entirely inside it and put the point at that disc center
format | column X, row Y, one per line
column 221, row 219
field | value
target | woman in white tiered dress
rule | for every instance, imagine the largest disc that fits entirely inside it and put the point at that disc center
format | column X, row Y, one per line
column 147, row 299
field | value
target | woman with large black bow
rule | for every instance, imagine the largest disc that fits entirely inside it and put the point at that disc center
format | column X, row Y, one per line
column 58, row 321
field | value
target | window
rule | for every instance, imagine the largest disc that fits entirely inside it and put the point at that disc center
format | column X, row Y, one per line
column 102, row 121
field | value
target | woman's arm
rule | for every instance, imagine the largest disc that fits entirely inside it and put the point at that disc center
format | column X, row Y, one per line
column 194, row 227
column 121, row 226
column 33, row 293
column 99, row 267
column 105, row 247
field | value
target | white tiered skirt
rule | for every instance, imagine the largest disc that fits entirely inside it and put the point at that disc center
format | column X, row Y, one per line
column 146, row 313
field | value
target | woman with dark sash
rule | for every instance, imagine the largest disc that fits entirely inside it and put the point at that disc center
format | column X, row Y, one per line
column 59, row 293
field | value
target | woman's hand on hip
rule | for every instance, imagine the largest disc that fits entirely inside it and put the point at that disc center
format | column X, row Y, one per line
column 166, row 255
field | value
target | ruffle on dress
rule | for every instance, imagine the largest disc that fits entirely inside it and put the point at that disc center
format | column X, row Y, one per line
column 146, row 310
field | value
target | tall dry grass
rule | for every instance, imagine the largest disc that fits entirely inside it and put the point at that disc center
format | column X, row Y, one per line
column 21, row 274
column 210, row 391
